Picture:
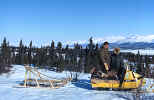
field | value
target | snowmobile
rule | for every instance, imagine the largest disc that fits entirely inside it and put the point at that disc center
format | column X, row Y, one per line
column 131, row 80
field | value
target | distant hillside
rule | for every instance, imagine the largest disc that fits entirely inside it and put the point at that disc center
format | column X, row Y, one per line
column 127, row 45
column 135, row 45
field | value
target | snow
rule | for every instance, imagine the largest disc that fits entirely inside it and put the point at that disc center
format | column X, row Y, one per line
column 127, row 38
column 131, row 38
column 141, row 51
column 80, row 90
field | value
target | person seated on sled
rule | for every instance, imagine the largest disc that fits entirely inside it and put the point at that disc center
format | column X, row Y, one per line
column 117, row 69
column 116, row 63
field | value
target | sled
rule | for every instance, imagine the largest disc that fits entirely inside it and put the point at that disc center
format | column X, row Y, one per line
column 132, row 80
column 40, row 80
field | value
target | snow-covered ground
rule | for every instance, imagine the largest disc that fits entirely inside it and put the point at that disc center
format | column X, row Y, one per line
column 80, row 90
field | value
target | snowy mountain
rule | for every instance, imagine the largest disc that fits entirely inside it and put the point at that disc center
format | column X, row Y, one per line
column 129, row 41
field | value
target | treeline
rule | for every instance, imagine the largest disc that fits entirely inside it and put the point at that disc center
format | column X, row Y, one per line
column 61, row 57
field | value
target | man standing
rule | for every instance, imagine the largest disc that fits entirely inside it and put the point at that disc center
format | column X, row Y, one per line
column 105, row 57
column 104, row 64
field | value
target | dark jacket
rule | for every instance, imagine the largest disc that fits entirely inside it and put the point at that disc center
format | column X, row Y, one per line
column 116, row 62
column 105, row 57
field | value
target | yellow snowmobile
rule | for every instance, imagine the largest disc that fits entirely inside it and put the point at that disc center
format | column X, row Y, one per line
column 131, row 80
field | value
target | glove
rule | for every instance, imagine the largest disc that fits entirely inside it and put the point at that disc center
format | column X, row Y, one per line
column 106, row 66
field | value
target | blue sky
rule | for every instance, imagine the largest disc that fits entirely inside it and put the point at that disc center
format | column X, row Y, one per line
column 63, row 20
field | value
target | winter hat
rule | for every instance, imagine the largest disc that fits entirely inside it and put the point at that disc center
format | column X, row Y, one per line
column 116, row 50
column 106, row 43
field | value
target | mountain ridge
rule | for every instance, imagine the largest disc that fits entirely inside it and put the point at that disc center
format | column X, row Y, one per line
column 130, row 41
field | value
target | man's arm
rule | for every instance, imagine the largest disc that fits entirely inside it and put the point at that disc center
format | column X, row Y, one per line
column 102, row 56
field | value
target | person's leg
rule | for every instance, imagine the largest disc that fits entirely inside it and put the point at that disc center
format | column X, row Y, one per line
column 93, row 70
column 122, row 76
column 96, row 72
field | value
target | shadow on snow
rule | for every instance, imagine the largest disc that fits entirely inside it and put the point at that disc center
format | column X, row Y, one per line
column 83, row 83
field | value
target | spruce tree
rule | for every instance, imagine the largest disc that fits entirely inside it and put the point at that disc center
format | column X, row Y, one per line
column 30, row 53
column 21, row 53
column 5, row 52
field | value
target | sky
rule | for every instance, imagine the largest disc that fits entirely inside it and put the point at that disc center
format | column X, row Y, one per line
column 72, row 20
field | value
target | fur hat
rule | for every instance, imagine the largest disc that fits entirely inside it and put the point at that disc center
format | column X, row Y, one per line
column 116, row 50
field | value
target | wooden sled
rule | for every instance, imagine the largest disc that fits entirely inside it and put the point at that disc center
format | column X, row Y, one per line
column 40, row 80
